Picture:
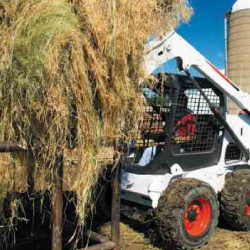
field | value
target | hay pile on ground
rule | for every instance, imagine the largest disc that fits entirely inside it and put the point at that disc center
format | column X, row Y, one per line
column 69, row 73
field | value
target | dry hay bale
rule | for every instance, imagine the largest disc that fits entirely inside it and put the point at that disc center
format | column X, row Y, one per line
column 69, row 74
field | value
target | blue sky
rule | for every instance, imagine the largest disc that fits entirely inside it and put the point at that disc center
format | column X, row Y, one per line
column 205, row 31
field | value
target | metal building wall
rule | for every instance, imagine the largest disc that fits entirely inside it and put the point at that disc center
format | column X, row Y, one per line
column 239, row 51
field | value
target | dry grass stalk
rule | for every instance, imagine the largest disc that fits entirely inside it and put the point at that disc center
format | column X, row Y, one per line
column 69, row 74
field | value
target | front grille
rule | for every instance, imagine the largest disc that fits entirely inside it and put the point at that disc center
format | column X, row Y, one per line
column 233, row 154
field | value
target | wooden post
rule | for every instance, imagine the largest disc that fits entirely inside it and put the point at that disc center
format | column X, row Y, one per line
column 57, row 205
column 95, row 236
column 9, row 147
column 115, row 210
column 103, row 246
column 31, row 171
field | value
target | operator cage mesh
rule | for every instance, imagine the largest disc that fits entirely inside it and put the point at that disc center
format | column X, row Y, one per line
column 179, row 114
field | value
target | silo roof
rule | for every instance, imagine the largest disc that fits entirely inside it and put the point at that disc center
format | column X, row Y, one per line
column 241, row 5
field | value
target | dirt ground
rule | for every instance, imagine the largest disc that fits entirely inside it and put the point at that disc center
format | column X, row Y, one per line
column 133, row 238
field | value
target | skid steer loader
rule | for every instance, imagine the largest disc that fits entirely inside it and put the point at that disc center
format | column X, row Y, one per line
column 190, row 158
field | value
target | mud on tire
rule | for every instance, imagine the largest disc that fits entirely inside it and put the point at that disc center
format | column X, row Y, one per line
column 187, row 214
column 235, row 200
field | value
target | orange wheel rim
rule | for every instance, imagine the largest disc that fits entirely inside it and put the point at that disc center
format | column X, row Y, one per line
column 248, row 205
column 198, row 216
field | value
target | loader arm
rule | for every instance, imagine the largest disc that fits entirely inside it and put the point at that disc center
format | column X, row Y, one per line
column 173, row 46
column 165, row 48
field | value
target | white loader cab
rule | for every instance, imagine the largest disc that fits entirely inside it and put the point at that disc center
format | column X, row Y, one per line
column 190, row 158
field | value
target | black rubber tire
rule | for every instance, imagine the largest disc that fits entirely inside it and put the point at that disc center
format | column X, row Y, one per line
column 234, row 198
column 171, row 210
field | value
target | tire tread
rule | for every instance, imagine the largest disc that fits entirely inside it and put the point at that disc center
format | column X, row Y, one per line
column 231, row 199
column 171, row 202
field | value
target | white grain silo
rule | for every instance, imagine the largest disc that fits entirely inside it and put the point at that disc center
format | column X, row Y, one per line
column 238, row 46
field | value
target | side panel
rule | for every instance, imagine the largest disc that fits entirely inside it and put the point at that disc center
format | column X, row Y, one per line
column 143, row 189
